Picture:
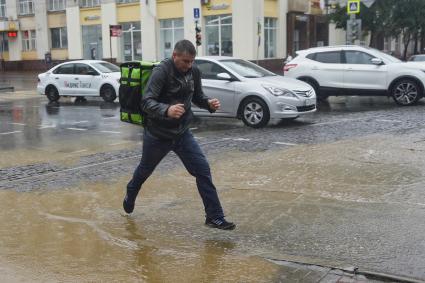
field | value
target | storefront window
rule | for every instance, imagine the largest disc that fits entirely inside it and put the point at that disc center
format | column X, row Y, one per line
column 56, row 5
column 4, row 46
column 131, row 41
column 170, row 31
column 26, row 7
column 59, row 37
column 92, row 42
column 270, row 27
column 218, row 35
column 2, row 8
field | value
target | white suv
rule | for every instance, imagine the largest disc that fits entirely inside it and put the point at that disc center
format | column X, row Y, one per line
column 356, row 70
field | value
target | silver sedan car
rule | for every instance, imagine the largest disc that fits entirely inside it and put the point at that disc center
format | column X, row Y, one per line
column 248, row 92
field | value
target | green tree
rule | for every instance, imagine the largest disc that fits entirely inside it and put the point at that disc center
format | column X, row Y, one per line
column 377, row 19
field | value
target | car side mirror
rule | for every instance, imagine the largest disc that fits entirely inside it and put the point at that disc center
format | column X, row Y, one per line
column 92, row 73
column 377, row 61
column 224, row 76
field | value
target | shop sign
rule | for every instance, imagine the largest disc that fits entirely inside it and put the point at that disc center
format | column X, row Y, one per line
column 222, row 6
column 92, row 18
column 115, row 30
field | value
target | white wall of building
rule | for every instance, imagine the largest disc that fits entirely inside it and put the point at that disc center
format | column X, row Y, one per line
column 246, row 14
column 336, row 36
column 281, row 36
column 109, row 17
column 15, row 45
column 189, row 22
column 149, row 30
column 42, row 31
column 75, row 45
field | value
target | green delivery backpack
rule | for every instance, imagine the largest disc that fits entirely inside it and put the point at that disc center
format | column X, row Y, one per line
column 134, row 77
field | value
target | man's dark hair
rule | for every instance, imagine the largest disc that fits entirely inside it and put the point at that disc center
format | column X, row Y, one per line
column 185, row 46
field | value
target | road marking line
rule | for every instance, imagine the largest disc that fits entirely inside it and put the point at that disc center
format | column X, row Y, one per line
column 77, row 129
column 335, row 122
column 284, row 143
column 79, row 122
column 46, row 127
column 110, row 132
column 8, row 133
column 241, row 139
column 389, row 121
column 113, row 117
column 118, row 143
column 20, row 124
column 78, row 151
column 192, row 129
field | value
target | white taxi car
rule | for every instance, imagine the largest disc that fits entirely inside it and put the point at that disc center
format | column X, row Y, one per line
column 80, row 78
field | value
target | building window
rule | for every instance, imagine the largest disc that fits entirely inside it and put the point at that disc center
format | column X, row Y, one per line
column 56, row 5
column 170, row 31
column 4, row 45
column 127, row 1
column 270, row 27
column 218, row 35
column 131, row 41
column 2, row 8
column 26, row 7
column 89, row 3
column 28, row 40
column 59, row 37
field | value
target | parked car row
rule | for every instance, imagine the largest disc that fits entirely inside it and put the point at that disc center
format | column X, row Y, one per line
column 256, row 95
column 355, row 70
column 246, row 90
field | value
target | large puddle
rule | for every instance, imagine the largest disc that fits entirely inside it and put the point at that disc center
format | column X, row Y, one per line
column 346, row 203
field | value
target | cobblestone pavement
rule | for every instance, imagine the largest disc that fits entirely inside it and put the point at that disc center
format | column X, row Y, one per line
column 34, row 125
column 227, row 135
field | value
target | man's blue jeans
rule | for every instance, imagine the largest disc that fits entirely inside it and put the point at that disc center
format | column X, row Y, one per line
column 188, row 150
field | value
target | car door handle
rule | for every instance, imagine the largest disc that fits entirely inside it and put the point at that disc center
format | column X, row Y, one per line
column 76, row 78
column 315, row 68
column 350, row 69
column 56, row 78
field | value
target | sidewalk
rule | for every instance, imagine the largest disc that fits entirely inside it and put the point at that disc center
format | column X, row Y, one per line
column 19, row 80
column 306, row 273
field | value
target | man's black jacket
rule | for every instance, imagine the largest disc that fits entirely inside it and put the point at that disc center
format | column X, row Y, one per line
column 167, row 86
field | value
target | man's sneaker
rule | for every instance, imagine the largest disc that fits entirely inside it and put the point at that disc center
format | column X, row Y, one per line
column 128, row 204
column 220, row 223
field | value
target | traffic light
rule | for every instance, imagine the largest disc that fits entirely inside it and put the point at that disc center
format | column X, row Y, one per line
column 354, row 30
column 198, row 36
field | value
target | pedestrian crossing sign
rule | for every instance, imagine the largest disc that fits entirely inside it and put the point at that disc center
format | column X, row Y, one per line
column 353, row 7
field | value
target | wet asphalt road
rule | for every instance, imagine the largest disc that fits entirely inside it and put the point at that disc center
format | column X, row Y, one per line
column 341, row 187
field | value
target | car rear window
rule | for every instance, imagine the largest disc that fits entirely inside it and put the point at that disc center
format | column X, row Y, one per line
column 65, row 69
column 106, row 67
column 331, row 57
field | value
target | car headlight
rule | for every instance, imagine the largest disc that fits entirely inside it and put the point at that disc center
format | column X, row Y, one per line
column 277, row 91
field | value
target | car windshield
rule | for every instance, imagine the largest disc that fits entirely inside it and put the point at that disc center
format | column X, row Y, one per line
column 386, row 56
column 417, row 58
column 246, row 69
column 106, row 67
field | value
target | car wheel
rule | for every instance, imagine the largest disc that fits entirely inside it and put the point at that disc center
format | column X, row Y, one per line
column 52, row 93
column 255, row 113
column 108, row 94
column 406, row 92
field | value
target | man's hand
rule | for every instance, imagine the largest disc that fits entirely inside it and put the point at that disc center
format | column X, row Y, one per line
column 176, row 111
column 214, row 103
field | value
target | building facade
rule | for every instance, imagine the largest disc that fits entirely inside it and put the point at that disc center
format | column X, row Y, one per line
column 37, row 33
